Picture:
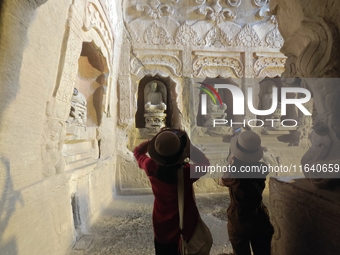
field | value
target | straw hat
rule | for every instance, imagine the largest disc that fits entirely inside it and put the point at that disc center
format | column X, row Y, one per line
column 247, row 147
column 169, row 147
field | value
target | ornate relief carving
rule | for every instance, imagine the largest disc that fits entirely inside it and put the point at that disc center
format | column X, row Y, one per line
column 269, row 66
column 248, row 37
column 186, row 35
column 217, row 13
column 156, row 35
column 170, row 62
column 218, row 64
column 94, row 19
column 53, row 139
column 274, row 38
column 124, row 90
column 156, row 10
column 68, row 77
column 217, row 38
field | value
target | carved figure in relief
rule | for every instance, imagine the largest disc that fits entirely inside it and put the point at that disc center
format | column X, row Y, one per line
column 155, row 101
column 78, row 112
column 52, row 157
column 155, row 96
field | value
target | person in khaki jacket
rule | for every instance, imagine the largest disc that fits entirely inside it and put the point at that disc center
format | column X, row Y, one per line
column 248, row 220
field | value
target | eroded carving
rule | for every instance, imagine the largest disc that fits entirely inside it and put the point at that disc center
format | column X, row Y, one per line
column 233, row 65
column 217, row 38
column 94, row 19
column 248, row 37
column 269, row 66
column 156, row 35
column 155, row 98
column 53, row 139
column 170, row 62
column 78, row 112
column 186, row 35
column 274, row 38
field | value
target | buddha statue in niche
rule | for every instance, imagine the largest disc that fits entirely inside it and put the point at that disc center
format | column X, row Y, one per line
column 78, row 111
column 154, row 100
column 155, row 95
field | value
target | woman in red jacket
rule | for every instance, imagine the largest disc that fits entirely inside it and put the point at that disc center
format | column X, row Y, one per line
column 168, row 152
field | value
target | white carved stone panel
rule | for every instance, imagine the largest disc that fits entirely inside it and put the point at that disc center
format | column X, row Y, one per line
column 130, row 178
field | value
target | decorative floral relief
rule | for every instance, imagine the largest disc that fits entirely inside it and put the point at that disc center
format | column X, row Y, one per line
column 170, row 62
column 156, row 35
column 248, row 37
column 269, row 66
column 217, row 38
column 217, row 62
column 274, row 38
column 186, row 35
column 93, row 19
column 217, row 13
column 156, row 10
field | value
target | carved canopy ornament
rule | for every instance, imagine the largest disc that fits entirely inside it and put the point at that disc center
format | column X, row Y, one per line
column 156, row 35
column 217, row 38
column 172, row 63
column 248, row 37
column 95, row 20
column 204, row 65
column 186, row 35
column 274, row 38
column 269, row 66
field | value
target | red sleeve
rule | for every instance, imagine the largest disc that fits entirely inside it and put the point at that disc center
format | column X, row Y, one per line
column 143, row 160
column 199, row 159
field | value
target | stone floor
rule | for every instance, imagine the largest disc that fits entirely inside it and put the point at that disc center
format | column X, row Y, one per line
column 125, row 227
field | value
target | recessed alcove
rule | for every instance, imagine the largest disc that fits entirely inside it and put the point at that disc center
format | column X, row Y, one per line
column 81, row 145
column 171, row 95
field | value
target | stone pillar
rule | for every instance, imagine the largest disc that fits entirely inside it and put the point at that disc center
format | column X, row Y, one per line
column 311, row 33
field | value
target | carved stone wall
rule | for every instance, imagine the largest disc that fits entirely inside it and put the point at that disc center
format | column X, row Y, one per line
column 44, row 161
column 187, row 41
column 300, row 210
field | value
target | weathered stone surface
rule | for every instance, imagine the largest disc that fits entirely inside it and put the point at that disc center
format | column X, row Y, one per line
column 49, row 170
column 305, row 219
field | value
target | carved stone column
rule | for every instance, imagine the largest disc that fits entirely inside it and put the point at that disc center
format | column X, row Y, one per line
column 311, row 33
